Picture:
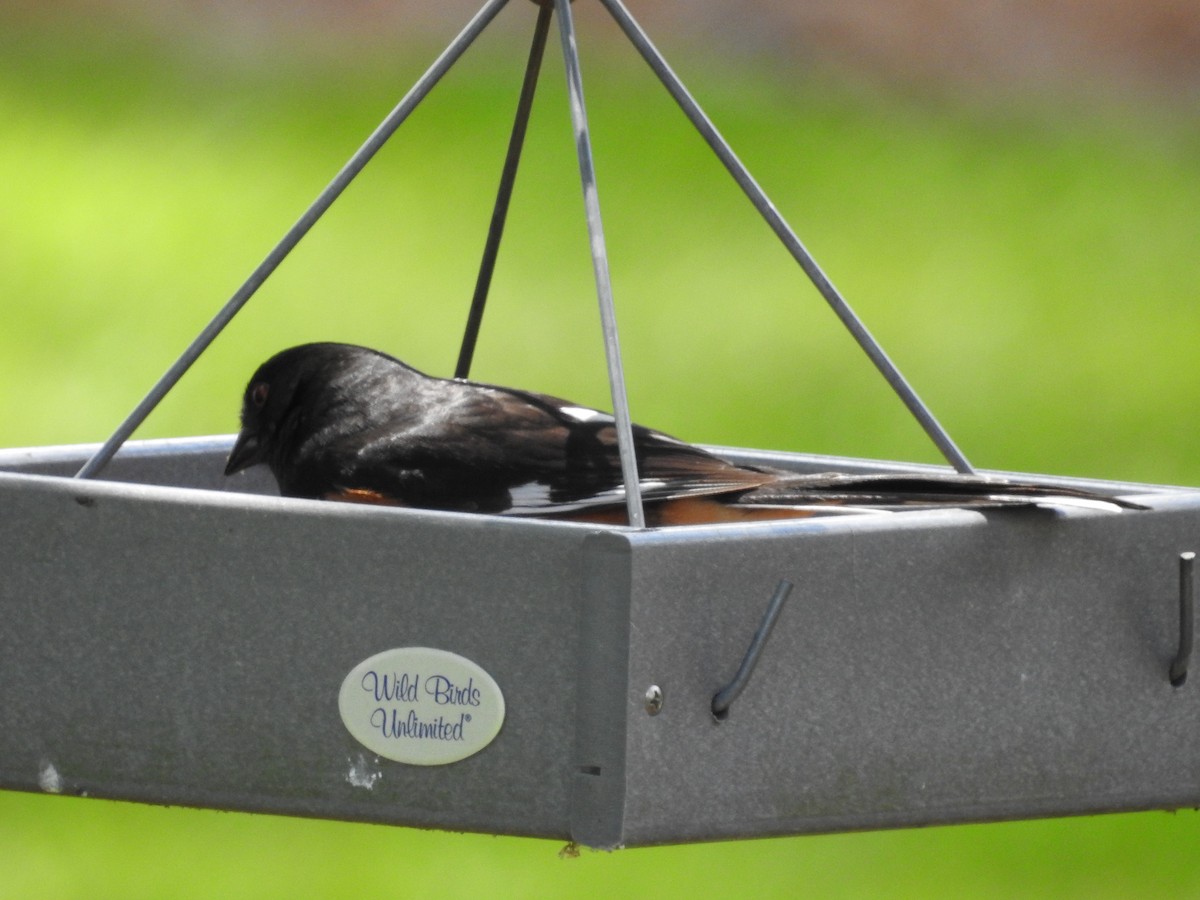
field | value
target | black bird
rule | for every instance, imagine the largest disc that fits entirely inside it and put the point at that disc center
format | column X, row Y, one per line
column 342, row 422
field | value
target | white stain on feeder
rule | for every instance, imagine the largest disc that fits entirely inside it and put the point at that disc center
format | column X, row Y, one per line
column 363, row 773
column 48, row 778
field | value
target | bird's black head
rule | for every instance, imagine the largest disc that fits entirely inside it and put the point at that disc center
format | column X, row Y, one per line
column 292, row 393
column 266, row 405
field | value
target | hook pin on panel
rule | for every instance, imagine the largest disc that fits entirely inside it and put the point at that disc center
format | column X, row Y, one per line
column 1179, row 665
column 724, row 698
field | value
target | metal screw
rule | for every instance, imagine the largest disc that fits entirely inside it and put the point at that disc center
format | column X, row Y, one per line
column 654, row 700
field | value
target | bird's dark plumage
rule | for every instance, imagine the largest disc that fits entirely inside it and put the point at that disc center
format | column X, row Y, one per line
column 337, row 421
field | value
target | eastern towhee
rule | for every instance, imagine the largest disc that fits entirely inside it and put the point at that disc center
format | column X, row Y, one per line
column 341, row 422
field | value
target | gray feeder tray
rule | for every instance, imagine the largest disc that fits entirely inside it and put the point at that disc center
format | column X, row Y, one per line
column 172, row 636
column 169, row 640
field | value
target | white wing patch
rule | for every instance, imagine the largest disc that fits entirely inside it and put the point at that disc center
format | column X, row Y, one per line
column 584, row 414
column 532, row 494
column 533, row 497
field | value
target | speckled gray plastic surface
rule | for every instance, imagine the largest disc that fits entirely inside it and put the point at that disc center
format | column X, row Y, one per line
column 171, row 636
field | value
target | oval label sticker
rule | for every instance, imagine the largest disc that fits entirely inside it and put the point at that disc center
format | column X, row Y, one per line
column 421, row 706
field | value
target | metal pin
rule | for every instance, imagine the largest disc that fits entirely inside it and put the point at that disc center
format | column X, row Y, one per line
column 724, row 698
column 1179, row 665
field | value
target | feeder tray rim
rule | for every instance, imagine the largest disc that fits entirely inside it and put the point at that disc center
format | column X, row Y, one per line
column 15, row 462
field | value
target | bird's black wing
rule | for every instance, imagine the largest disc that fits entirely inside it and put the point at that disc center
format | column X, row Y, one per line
column 491, row 449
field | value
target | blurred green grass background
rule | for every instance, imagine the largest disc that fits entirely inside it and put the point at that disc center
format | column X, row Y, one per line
column 1029, row 262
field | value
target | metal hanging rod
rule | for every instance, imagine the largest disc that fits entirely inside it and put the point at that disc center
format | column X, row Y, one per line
column 768, row 211
column 289, row 241
column 608, row 316
column 508, row 178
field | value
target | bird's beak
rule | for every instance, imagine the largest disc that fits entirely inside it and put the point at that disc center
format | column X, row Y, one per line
column 247, row 451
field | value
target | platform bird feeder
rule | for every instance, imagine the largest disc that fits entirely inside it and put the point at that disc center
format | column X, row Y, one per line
column 171, row 636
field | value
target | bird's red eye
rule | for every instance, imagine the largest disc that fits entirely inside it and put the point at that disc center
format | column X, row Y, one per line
column 258, row 394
